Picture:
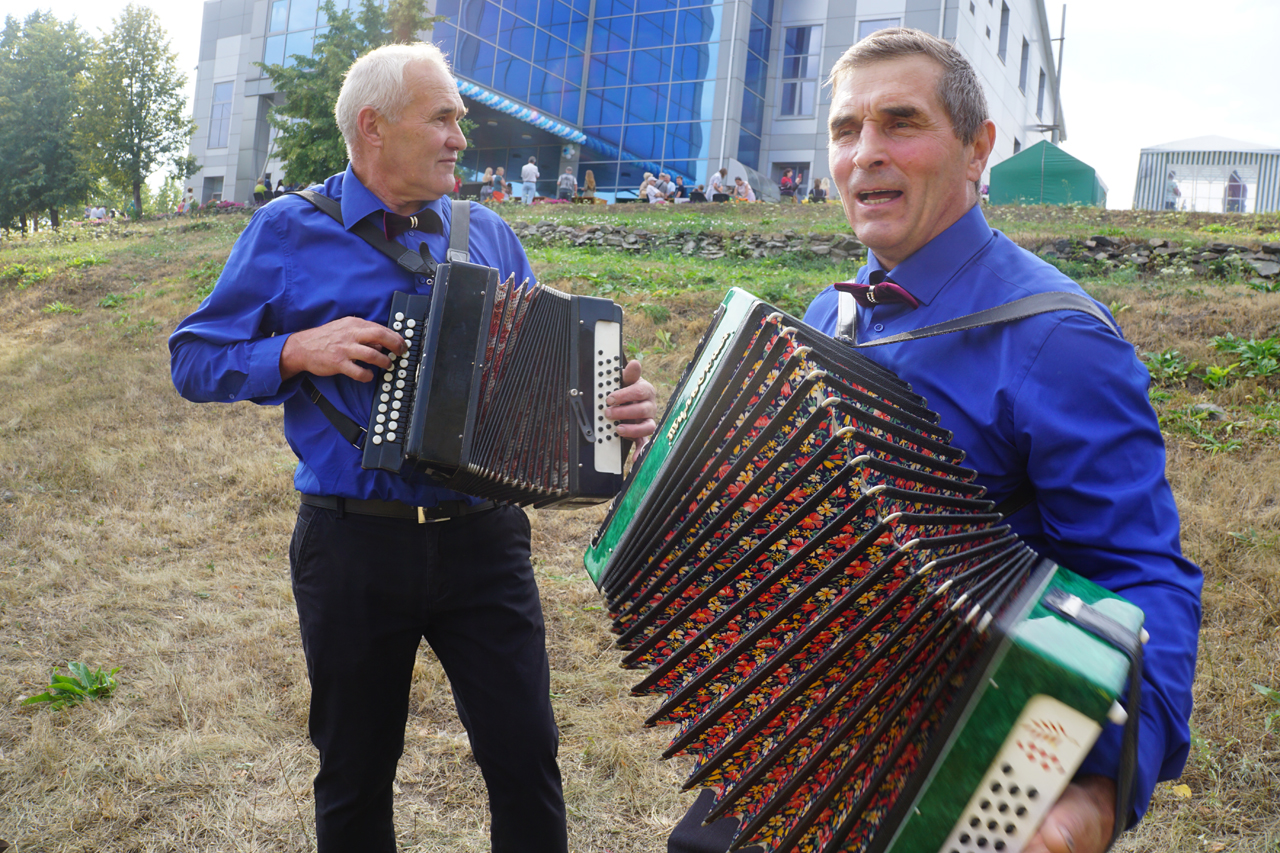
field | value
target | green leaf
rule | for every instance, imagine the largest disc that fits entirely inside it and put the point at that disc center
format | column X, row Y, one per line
column 43, row 697
column 1273, row 695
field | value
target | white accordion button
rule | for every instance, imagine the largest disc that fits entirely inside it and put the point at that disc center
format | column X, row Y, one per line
column 411, row 322
column 377, row 439
column 399, row 395
column 377, row 427
column 386, row 397
column 391, row 436
column 408, row 333
column 399, row 315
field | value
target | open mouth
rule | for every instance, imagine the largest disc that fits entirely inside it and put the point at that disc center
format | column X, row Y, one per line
column 878, row 196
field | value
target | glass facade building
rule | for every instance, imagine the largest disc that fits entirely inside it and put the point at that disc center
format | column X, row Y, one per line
column 622, row 87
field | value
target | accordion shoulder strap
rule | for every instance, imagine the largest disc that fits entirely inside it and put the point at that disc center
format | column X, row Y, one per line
column 1018, row 309
column 459, row 238
column 418, row 263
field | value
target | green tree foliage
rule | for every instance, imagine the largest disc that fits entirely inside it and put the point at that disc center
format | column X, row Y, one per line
column 136, row 120
column 42, row 63
column 309, row 140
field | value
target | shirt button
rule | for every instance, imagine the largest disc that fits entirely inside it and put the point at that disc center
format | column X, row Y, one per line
column 879, row 327
column 422, row 279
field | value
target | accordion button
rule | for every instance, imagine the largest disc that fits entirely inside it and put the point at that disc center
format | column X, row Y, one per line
column 387, row 376
column 402, row 373
column 391, row 436
column 396, row 404
column 399, row 383
column 386, row 397
column 399, row 315
column 377, row 439
column 408, row 333
column 399, row 395
column 397, row 326
column 382, row 407
column 377, row 427
column 386, row 386
column 411, row 322
column 382, row 419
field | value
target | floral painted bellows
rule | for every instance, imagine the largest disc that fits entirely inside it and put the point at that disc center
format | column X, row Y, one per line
column 816, row 585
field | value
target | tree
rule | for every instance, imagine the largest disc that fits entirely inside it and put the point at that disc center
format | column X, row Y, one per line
column 309, row 140
column 42, row 63
column 137, row 118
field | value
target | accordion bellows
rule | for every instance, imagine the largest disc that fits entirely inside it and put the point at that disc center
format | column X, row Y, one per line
column 852, row 650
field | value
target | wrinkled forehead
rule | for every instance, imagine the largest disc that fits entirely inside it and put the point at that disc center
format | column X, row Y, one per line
column 913, row 79
column 433, row 88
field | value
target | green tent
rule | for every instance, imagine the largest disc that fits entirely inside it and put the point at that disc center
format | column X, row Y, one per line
column 1045, row 174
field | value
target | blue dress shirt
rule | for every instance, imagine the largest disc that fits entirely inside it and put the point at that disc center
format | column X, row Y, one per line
column 294, row 268
column 1060, row 400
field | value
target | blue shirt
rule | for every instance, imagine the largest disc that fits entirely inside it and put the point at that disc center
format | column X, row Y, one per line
column 294, row 268
column 1061, row 400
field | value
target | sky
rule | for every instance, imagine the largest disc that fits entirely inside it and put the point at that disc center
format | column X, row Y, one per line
column 1135, row 73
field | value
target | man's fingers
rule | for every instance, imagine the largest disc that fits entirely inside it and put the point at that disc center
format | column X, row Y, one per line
column 1081, row 821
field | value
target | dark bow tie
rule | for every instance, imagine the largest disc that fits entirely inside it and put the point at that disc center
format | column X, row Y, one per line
column 393, row 224
column 881, row 291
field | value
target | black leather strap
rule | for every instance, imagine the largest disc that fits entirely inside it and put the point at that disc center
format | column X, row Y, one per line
column 408, row 259
column 459, row 238
column 1017, row 499
column 1110, row 631
column 1018, row 309
column 396, row 509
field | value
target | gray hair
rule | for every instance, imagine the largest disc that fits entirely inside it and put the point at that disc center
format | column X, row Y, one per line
column 958, row 89
column 377, row 80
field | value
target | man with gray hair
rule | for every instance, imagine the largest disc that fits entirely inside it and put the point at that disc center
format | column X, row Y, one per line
column 1051, row 409
column 380, row 561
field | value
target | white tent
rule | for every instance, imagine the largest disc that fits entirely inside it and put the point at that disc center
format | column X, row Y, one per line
column 1209, row 173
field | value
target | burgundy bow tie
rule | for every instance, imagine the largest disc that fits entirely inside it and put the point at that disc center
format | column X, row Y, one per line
column 393, row 224
column 881, row 291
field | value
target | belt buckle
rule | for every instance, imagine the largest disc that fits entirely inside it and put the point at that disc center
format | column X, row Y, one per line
column 422, row 517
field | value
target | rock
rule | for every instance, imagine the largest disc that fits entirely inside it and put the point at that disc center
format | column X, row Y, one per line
column 1062, row 246
column 1156, row 242
column 1211, row 411
column 1266, row 269
column 820, row 250
column 1091, row 244
column 1103, row 241
column 1271, row 248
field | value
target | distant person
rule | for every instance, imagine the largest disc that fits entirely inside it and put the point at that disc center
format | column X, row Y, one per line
column 588, row 185
column 188, row 201
column 787, row 186
column 665, row 186
column 259, row 192
column 1236, row 194
column 486, row 185
column 718, row 185
column 280, row 188
column 529, row 179
column 1171, row 191
column 698, row 195
column 500, row 186
column 649, row 190
column 681, row 192
column 819, row 191
column 567, row 185
column 742, row 190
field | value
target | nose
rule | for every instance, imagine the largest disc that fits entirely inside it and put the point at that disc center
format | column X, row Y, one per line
column 871, row 152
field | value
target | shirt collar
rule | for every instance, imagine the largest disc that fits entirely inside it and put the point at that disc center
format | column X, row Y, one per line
column 358, row 202
column 926, row 272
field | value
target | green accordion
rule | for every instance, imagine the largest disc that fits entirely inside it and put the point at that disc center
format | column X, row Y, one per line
column 853, row 651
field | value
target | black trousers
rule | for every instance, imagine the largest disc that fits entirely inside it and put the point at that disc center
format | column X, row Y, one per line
column 368, row 590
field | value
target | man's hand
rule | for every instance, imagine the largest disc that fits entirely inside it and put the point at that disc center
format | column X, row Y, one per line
column 635, row 404
column 1081, row 821
column 334, row 348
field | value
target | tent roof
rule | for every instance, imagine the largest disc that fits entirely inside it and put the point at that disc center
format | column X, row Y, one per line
column 1213, row 143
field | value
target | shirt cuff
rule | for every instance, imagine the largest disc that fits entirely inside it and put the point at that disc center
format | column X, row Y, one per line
column 264, row 367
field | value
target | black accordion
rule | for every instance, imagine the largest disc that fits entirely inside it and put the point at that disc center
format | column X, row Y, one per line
column 852, row 650
column 502, row 392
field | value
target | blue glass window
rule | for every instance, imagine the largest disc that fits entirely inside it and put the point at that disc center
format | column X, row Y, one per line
column 605, row 8
column 583, row 6
column 321, row 31
column 630, row 175
column 687, row 102
column 695, row 25
column 754, row 74
column 606, row 174
column 655, row 5
column 609, row 133
column 447, row 7
column 279, row 16
column 644, row 140
column 479, row 17
column 611, row 34
column 693, row 63
column 609, row 69
column 569, row 106
column 545, row 9
column 752, row 113
column 274, row 52
column 578, row 34
column 655, row 30
column 302, row 15
column 515, row 35
column 749, row 150
column 688, row 140
column 573, row 68
column 445, row 37
column 474, row 59
column 220, row 115
column 647, row 103
column 511, row 76
column 758, row 37
column 651, row 66
column 764, row 9
column 297, row 43
column 548, row 47
column 527, row 9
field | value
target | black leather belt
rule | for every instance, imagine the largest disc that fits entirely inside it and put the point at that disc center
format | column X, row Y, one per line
column 442, row 511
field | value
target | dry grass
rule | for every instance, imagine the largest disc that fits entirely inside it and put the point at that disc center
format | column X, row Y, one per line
column 141, row 531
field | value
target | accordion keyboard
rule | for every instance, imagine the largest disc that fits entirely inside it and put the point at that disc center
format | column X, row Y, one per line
column 389, row 418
